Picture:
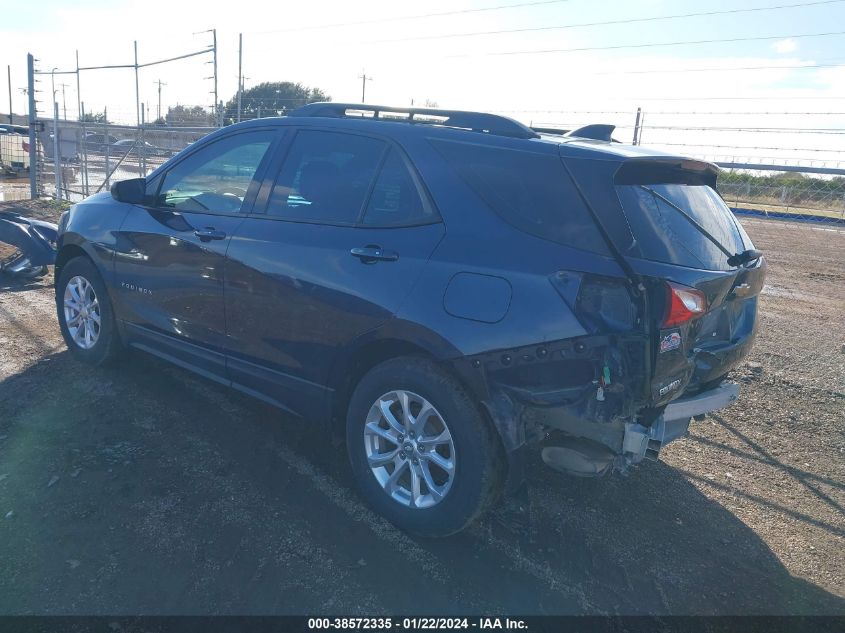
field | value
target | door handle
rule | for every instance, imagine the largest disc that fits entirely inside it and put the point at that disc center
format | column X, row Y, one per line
column 371, row 254
column 209, row 233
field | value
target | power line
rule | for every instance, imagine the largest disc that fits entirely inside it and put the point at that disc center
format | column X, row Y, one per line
column 411, row 17
column 608, row 22
column 646, row 45
column 715, row 69
column 784, row 149
column 760, row 98
column 656, row 113
column 704, row 128
column 761, row 130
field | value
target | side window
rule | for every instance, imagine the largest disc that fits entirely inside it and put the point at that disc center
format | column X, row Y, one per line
column 216, row 177
column 395, row 200
column 530, row 191
column 326, row 177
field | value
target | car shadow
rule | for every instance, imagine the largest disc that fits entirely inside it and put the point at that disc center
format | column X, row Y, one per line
column 12, row 283
column 142, row 488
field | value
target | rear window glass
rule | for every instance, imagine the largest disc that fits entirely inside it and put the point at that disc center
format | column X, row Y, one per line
column 663, row 234
column 530, row 191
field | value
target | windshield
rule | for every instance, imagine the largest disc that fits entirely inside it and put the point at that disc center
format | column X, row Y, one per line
column 662, row 233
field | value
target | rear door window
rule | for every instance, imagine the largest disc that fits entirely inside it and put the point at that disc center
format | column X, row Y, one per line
column 326, row 177
column 531, row 191
column 663, row 234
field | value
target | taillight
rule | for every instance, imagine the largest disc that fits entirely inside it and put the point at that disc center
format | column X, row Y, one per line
column 25, row 146
column 684, row 304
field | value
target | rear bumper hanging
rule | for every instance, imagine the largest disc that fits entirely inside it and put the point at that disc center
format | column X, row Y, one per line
column 640, row 442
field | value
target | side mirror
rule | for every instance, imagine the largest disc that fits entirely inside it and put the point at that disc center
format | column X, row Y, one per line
column 131, row 191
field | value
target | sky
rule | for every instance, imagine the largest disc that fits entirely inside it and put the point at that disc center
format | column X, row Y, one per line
column 553, row 65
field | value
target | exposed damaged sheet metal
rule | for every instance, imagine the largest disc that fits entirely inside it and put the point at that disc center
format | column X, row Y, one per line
column 34, row 239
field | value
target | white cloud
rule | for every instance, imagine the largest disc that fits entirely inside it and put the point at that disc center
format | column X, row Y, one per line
column 785, row 46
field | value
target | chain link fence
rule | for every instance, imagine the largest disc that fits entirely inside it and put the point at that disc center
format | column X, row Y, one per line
column 785, row 194
column 76, row 160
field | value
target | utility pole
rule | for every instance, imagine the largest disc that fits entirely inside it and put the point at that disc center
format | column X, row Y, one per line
column 240, row 72
column 364, row 79
column 158, row 110
column 9, row 72
column 64, row 101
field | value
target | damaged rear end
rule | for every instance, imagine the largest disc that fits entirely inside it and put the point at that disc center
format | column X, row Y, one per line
column 660, row 339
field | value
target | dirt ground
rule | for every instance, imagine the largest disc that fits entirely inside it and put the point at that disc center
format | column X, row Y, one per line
column 145, row 489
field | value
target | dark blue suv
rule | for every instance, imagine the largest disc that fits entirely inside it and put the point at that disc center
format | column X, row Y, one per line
column 454, row 292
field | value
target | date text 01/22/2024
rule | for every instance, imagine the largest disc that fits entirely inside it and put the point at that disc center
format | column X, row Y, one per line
column 416, row 624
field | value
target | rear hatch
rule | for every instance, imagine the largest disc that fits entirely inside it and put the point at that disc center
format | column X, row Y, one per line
column 678, row 236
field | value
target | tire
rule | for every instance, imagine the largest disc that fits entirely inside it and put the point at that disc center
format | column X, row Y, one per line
column 103, row 344
column 473, row 449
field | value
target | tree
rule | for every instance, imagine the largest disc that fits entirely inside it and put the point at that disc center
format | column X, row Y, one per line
column 271, row 98
column 93, row 117
column 188, row 116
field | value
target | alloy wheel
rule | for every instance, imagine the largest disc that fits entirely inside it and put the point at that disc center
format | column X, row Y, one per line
column 409, row 449
column 82, row 312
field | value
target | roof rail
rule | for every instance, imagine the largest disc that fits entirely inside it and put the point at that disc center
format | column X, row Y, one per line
column 597, row 132
column 475, row 121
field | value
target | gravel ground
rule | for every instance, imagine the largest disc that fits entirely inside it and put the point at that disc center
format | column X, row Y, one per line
column 145, row 489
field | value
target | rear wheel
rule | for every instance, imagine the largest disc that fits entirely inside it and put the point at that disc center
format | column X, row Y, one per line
column 85, row 314
column 422, row 453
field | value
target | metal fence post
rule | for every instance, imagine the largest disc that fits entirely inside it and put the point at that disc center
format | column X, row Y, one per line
column 33, row 145
column 85, row 186
column 637, row 127
column 142, row 155
column 240, row 72
column 9, row 74
column 108, row 145
column 57, row 158
column 217, row 113
column 137, row 89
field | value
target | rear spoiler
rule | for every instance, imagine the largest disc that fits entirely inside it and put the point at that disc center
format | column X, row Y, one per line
column 664, row 170
column 595, row 132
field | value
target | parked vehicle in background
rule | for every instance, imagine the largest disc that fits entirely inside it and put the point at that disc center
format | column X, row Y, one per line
column 135, row 147
column 96, row 142
column 14, row 148
column 453, row 292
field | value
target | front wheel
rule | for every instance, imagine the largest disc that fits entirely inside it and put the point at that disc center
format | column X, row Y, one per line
column 422, row 453
column 85, row 314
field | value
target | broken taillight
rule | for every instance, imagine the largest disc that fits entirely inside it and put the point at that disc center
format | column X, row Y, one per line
column 684, row 304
